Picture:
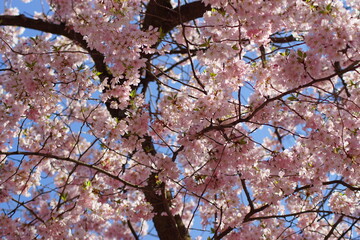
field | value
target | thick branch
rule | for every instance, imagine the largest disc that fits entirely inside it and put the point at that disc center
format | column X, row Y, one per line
column 58, row 29
column 168, row 227
column 223, row 233
column 190, row 11
column 334, row 227
column 159, row 14
column 342, row 183
column 286, row 39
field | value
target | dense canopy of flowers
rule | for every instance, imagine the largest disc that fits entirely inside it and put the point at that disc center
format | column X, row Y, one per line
column 236, row 118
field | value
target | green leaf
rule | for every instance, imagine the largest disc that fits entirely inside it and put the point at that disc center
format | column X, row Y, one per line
column 34, row 39
column 336, row 150
column 157, row 180
column 241, row 141
column 133, row 93
column 313, row 7
column 206, row 43
column 56, row 48
column 87, row 184
column 64, row 196
column 172, row 97
column 286, row 53
column 300, row 53
column 81, row 67
column 97, row 73
column 235, row 47
column 292, row 98
column 213, row 74
column 328, row 7
column 30, row 65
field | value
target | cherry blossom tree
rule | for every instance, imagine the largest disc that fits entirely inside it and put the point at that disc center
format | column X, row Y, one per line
column 122, row 119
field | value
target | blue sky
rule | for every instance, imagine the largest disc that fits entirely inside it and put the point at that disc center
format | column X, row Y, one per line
column 25, row 8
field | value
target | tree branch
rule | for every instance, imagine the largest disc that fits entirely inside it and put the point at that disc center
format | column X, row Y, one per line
column 30, row 210
column 334, row 227
column 211, row 127
column 159, row 14
column 247, row 194
column 190, row 11
column 223, row 233
column 132, row 230
column 296, row 214
column 342, row 183
column 47, row 155
column 58, row 29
